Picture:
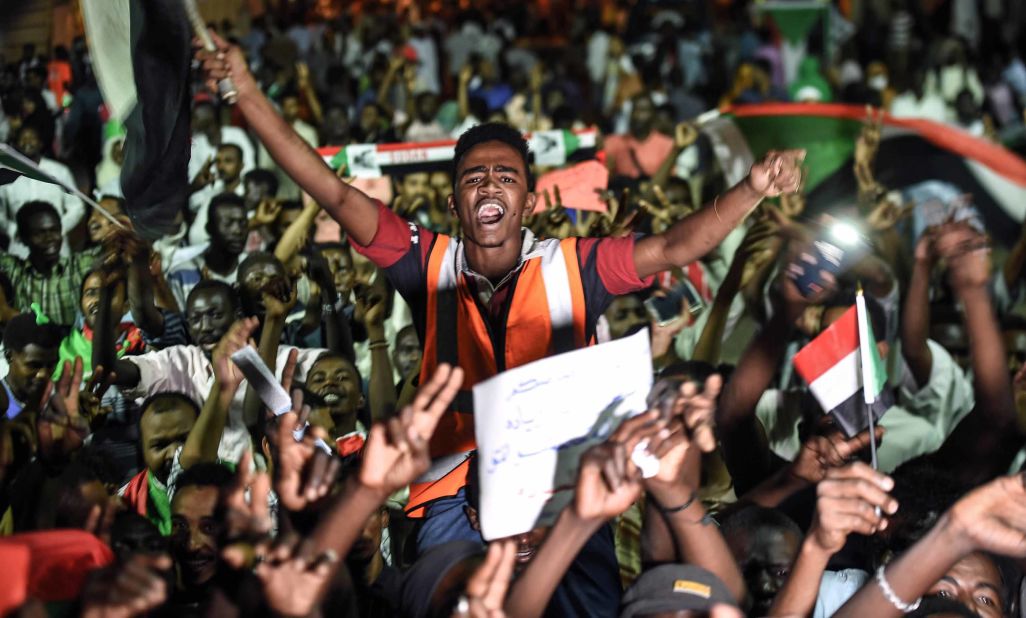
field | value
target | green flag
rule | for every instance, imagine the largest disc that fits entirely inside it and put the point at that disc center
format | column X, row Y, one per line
column 874, row 374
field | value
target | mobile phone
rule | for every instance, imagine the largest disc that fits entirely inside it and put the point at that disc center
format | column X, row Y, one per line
column 836, row 250
column 665, row 309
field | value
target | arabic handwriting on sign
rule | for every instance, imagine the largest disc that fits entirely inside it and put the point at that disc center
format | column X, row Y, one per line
column 499, row 456
column 598, row 432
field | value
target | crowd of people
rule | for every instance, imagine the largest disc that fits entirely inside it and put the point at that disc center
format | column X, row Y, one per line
column 140, row 473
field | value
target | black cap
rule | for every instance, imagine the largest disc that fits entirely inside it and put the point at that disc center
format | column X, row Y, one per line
column 673, row 588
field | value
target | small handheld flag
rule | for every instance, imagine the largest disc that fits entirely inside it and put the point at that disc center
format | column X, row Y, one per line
column 833, row 367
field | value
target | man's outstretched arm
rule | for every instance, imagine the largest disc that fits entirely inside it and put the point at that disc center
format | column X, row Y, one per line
column 700, row 232
column 355, row 211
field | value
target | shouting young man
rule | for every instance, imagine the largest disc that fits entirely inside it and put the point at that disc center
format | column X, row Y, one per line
column 510, row 297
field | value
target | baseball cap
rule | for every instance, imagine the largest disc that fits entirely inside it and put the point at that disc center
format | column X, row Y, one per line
column 673, row 588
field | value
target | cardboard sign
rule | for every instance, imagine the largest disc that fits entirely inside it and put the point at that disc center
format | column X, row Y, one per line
column 534, row 423
column 579, row 186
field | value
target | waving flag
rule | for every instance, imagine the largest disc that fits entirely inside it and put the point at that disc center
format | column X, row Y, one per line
column 142, row 55
column 844, row 376
column 912, row 152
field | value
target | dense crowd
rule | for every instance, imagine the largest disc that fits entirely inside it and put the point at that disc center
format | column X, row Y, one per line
column 141, row 473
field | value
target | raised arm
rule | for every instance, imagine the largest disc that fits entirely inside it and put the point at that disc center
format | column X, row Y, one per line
column 847, row 501
column 355, row 211
column 990, row 519
column 915, row 318
column 370, row 310
column 697, row 234
column 205, row 435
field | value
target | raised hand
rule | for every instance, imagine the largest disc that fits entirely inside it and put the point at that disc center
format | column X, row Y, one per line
column 267, row 212
column 486, row 589
column 130, row 589
column 227, row 61
column 305, row 473
column 777, row 173
column 396, row 451
column 246, row 520
column 370, row 307
column 822, row 453
column 609, row 481
column 992, row 518
column 238, row 336
column 847, row 501
column 279, row 296
column 967, row 253
column 293, row 575
column 888, row 212
column 90, row 398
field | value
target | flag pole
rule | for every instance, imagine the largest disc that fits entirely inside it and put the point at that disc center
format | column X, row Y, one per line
column 860, row 303
column 860, row 307
column 24, row 161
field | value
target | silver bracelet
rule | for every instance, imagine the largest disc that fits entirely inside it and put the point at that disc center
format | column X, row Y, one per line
column 891, row 597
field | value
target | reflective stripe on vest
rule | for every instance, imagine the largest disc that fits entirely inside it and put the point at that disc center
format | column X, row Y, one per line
column 537, row 325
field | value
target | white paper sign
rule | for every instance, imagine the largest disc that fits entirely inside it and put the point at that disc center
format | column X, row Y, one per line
column 362, row 160
column 534, row 422
column 548, row 148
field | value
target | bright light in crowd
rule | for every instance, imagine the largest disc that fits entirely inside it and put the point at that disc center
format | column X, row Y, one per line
column 845, row 233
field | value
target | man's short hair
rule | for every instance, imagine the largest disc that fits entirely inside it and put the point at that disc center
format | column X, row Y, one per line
column 751, row 518
column 117, row 199
column 32, row 209
column 235, row 147
column 219, row 286
column 256, row 258
column 263, row 176
column 219, row 201
column 23, row 330
column 206, row 474
column 492, row 132
column 162, row 402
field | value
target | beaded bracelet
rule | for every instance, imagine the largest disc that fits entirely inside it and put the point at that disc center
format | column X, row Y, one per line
column 891, row 597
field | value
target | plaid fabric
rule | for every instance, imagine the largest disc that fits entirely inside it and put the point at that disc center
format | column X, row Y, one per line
column 57, row 294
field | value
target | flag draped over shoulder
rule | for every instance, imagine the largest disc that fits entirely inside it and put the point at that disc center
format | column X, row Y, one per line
column 912, row 151
column 841, row 381
column 154, row 177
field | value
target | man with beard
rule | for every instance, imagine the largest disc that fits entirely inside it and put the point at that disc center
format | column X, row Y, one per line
column 195, row 531
column 24, row 190
column 227, row 227
column 45, row 277
column 167, row 418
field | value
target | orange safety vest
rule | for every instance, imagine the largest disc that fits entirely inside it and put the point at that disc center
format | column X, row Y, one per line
column 546, row 316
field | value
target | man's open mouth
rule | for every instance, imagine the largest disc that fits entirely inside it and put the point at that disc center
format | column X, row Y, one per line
column 490, row 212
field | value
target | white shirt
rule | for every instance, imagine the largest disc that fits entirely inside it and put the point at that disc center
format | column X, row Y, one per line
column 202, row 149
column 185, row 369
column 14, row 195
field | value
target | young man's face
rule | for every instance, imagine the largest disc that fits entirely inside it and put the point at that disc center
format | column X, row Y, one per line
column 99, row 226
column 415, row 184
column 228, row 164
column 162, row 432
column 252, row 282
column 209, row 314
column 625, row 315
column 30, row 369
column 90, row 302
column 30, row 144
column 491, row 196
column 974, row 581
column 334, row 382
column 229, row 227
column 765, row 556
column 194, row 532
column 43, row 236
column 407, row 352
column 340, row 263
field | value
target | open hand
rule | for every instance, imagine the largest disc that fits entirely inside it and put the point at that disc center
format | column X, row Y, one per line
column 396, row 451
